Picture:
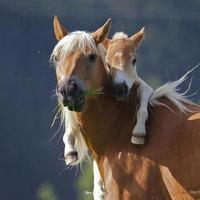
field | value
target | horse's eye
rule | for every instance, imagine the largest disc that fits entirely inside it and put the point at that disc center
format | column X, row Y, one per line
column 92, row 57
column 134, row 61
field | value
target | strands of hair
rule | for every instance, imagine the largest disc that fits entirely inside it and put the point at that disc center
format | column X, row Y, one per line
column 170, row 91
column 119, row 35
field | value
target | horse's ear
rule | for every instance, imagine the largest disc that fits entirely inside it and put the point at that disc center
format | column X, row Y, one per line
column 101, row 33
column 138, row 37
column 59, row 29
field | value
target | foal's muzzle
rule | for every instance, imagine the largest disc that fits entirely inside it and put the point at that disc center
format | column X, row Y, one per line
column 70, row 93
column 120, row 91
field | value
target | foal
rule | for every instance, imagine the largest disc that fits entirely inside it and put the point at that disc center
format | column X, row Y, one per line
column 121, row 60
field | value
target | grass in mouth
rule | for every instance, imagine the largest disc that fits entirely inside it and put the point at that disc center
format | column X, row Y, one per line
column 88, row 93
column 93, row 92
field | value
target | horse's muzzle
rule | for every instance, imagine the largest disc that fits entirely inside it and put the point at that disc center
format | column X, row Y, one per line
column 70, row 93
column 120, row 91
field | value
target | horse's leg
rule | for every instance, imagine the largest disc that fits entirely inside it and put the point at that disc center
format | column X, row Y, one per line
column 70, row 153
column 175, row 189
column 98, row 190
column 139, row 131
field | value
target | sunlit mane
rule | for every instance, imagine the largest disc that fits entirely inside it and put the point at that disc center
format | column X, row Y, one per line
column 170, row 91
column 119, row 35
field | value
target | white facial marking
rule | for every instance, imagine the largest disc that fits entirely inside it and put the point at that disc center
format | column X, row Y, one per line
column 121, row 76
column 129, row 76
column 119, row 57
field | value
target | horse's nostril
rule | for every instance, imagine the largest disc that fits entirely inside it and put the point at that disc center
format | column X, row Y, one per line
column 72, row 83
column 125, row 89
column 120, row 91
column 72, row 88
column 75, row 86
column 120, row 88
column 115, row 89
column 63, row 92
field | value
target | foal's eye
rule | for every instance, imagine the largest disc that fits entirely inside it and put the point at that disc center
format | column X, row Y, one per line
column 92, row 57
column 134, row 61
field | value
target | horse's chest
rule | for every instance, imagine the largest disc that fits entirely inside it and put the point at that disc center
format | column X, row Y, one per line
column 130, row 178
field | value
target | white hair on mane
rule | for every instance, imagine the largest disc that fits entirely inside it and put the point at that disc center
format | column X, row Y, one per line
column 120, row 35
column 170, row 91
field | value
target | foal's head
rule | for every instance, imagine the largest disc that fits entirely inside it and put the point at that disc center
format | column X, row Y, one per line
column 78, row 63
column 121, row 59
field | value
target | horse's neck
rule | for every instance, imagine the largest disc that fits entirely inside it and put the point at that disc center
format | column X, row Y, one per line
column 105, row 120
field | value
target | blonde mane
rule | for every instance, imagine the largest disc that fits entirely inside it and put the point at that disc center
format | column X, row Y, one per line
column 119, row 35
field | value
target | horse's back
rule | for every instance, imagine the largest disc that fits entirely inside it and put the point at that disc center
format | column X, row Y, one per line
column 175, row 143
column 172, row 152
column 183, row 157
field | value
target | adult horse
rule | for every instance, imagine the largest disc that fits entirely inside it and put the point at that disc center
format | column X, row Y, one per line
column 168, row 165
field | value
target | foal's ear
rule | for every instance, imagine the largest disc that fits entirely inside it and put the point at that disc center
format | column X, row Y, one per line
column 101, row 33
column 59, row 29
column 138, row 37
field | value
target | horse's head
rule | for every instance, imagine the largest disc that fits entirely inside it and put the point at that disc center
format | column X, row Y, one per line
column 121, row 59
column 78, row 63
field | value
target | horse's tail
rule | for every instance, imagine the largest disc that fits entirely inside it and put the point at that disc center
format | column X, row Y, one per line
column 170, row 91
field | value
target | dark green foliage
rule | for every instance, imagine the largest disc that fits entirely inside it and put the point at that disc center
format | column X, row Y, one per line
column 85, row 182
column 46, row 191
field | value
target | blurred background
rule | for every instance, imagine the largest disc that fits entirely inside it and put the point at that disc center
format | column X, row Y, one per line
column 31, row 162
